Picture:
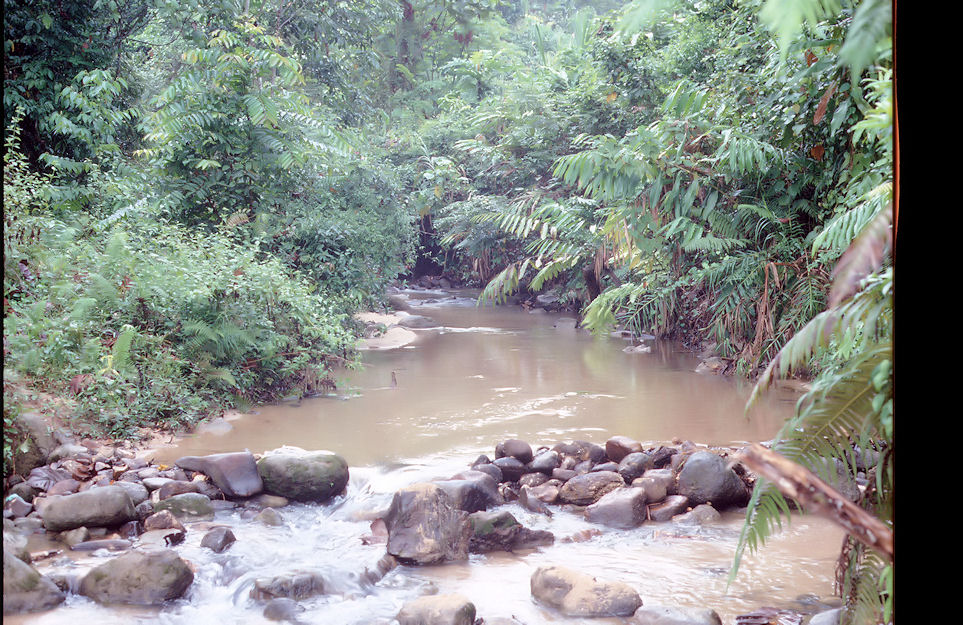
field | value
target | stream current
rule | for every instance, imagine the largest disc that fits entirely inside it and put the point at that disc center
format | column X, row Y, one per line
column 426, row 411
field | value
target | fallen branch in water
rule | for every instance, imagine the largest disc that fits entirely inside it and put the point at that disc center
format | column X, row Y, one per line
column 816, row 496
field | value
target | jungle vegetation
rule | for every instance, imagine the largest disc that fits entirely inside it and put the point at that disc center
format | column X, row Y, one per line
column 198, row 195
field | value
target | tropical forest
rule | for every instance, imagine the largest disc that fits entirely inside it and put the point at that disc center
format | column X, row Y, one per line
column 449, row 312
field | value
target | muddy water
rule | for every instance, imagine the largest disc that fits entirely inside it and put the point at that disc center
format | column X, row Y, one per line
column 483, row 376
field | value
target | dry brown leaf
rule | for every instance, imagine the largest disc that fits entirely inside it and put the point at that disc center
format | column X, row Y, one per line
column 823, row 103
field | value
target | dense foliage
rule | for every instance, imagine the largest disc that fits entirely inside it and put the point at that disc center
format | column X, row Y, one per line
column 198, row 195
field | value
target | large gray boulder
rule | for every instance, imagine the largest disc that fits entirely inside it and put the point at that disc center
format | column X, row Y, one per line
column 142, row 577
column 623, row 508
column 438, row 610
column 25, row 589
column 674, row 615
column 307, row 476
column 706, row 478
column 425, row 527
column 586, row 489
column 234, row 473
column 577, row 594
column 103, row 506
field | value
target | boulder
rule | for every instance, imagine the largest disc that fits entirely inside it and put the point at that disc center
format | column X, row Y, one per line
column 674, row 615
column 514, row 448
column 489, row 469
column 41, row 441
column 581, row 450
column 25, row 589
column 138, row 492
column 511, row 467
column 634, row 465
column 270, row 517
column 533, row 479
column 577, row 594
column 588, row 488
column 545, row 462
column 528, row 500
column 500, row 531
column 154, row 483
column 110, row 544
column 15, row 507
column 619, row 447
column 307, row 476
column 438, row 610
column 705, row 477
column 141, row 577
column 282, row 609
column 296, row 585
column 623, row 508
column 64, row 487
column 16, row 543
column 472, row 491
column 668, row 507
column 425, row 527
column 829, row 617
column 654, row 489
column 417, row 322
column 162, row 520
column 665, row 477
column 103, row 506
column 176, row 487
column 218, row 539
column 43, row 477
column 236, row 474
column 74, row 537
column 188, row 507
column 700, row 515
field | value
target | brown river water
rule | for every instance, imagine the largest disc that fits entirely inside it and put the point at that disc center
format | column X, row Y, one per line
column 485, row 375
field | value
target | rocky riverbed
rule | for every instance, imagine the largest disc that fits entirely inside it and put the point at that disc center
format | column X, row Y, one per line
column 135, row 514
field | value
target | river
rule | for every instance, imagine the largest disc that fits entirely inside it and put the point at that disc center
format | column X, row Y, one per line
column 426, row 411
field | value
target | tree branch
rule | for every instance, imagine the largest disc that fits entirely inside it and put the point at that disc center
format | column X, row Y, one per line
column 813, row 494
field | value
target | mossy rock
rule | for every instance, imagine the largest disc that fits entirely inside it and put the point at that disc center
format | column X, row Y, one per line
column 306, row 476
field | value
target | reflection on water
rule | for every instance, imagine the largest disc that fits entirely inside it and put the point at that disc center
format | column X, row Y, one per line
column 486, row 375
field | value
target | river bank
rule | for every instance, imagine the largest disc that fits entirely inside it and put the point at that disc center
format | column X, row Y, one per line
column 539, row 506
